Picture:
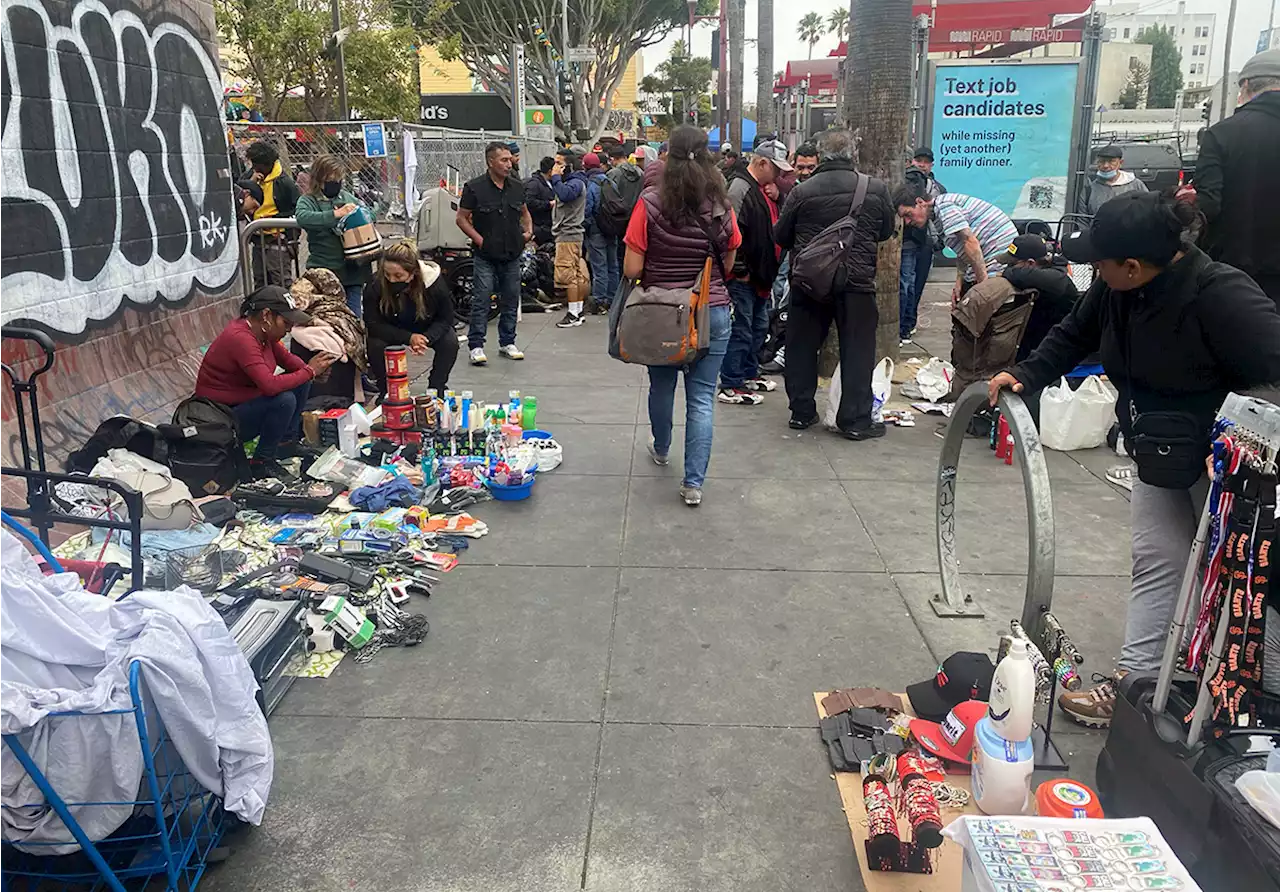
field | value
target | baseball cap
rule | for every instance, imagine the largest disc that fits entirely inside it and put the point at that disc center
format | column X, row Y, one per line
column 591, row 159
column 726, row 147
column 279, row 301
column 952, row 738
column 1111, row 151
column 1264, row 64
column 1129, row 225
column 776, row 152
column 1024, row 247
column 962, row 676
column 923, row 152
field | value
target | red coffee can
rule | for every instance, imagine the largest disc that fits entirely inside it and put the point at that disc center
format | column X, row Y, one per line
column 398, row 390
column 382, row 432
column 397, row 362
column 397, row 416
column 411, row 438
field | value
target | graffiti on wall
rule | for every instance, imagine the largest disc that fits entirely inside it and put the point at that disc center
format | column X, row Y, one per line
column 113, row 159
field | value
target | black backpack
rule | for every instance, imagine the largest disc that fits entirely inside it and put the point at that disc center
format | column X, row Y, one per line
column 205, row 451
column 119, row 432
column 619, row 193
column 822, row 267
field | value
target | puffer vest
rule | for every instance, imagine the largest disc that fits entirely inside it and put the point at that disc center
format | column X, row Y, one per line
column 677, row 252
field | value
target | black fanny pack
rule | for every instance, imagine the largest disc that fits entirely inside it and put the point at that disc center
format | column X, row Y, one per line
column 1169, row 448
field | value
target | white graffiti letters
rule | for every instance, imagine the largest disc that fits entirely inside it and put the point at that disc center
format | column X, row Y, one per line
column 114, row 164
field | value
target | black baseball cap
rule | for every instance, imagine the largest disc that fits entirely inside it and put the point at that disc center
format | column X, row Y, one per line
column 276, row 299
column 962, row 676
column 1129, row 225
column 1024, row 247
column 1111, row 151
column 923, row 152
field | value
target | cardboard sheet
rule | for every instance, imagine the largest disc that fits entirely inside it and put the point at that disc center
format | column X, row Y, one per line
column 948, row 858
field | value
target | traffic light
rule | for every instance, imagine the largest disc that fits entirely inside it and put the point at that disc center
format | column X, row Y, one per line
column 563, row 86
column 1207, row 111
column 693, row 116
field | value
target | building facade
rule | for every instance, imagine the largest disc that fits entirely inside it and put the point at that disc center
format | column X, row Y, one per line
column 1192, row 32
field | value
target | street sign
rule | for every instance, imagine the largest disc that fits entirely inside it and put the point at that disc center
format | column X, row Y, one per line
column 375, row 140
column 582, row 54
column 540, row 122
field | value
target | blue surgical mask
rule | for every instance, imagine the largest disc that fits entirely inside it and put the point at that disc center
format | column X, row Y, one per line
column 1108, row 174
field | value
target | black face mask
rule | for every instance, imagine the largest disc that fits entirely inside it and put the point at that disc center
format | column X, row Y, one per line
column 331, row 190
column 399, row 289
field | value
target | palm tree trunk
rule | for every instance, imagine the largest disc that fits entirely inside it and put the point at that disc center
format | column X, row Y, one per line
column 877, row 105
column 765, row 122
column 737, row 18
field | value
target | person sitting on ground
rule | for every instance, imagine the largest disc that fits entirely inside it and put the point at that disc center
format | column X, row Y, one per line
column 1176, row 332
column 239, row 370
column 814, row 205
column 1028, row 265
column 408, row 302
column 319, row 213
column 976, row 230
column 1108, row 180
column 672, row 229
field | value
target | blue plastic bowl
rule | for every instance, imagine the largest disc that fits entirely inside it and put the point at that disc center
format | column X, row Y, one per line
column 504, row 493
column 536, row 435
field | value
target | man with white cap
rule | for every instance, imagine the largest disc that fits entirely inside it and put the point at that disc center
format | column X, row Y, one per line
column 1237, row 180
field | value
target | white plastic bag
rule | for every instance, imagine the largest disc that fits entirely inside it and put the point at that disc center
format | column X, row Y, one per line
column 1261, row 789
column 167, row 503
column 934, row 379
column 1076, row 419
column 881, row 391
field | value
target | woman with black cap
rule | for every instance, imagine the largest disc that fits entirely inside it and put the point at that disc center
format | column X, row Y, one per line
column 1176, row 333
column 239, row 370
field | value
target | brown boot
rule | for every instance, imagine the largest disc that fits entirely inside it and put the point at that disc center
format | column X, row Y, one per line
column 1095, row 706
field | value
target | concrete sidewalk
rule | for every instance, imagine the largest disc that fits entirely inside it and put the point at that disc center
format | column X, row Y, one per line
column 616, row 690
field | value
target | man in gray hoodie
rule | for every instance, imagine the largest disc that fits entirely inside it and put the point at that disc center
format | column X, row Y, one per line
column 568, row 223
column 1107, row 181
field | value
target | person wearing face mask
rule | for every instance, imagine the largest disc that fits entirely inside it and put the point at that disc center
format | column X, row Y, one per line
column 1176, row 332
column 1108, row 180
column 319, row 212
column 408, row 302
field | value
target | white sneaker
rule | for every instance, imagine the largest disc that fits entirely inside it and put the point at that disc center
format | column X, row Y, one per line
column 478, row 357
column 511, row 351
column 1122, row 476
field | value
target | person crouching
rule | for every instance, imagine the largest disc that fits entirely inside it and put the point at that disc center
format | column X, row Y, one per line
column 408, row 302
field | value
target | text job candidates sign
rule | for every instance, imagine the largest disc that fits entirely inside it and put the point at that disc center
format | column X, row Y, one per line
column 1002, row 132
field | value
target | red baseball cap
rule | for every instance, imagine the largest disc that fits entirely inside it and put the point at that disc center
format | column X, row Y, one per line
column 952, row 738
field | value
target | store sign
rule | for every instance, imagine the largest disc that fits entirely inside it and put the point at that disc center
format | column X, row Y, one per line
column 1016, row 35
column 1002, row 132
column 465, row 111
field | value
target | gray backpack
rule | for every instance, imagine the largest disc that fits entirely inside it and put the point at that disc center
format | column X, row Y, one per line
column 656, row 326
column 822, row 267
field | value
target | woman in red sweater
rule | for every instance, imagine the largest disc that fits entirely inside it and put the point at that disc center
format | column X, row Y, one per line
column 239, row 370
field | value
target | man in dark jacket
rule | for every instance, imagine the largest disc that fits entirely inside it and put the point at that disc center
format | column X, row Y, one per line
column 754, row 269
column 1237, row 180
column 1028, row 266
column 812, row 206
column 541, row 198
column 917, row 248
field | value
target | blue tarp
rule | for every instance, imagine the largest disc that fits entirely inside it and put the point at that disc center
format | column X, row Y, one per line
column 748, row 135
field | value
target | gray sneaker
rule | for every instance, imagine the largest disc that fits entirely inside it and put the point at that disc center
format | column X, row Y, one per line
column 658, row 458
column 692, row 495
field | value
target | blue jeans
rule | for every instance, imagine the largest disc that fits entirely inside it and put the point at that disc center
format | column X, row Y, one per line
column 750, row 325
column 272, row 419
column 602, row 257
column 488, row 277
column 355, row 299
column 699, row 399
column 912, row 276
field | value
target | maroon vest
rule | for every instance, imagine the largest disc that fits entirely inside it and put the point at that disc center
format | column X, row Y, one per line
column 677, row 252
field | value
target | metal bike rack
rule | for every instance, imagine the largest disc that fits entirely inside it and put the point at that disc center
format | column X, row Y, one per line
column 952, row 600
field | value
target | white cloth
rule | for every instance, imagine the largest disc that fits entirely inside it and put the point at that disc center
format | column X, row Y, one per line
column 320, row 338
column 65, row 649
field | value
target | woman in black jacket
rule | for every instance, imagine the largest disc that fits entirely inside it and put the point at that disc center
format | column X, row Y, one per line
column 1176, row 333
column 408, row 303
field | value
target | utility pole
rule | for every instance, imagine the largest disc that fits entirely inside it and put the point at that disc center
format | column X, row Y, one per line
column 1226, row 59
column 722, row 85
column 1177, row 98
column 343, row 112
column 564, row 60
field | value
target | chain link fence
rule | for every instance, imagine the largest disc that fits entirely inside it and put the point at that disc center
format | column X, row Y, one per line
column 442, row 154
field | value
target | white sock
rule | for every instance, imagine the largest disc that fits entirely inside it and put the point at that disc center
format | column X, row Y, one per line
column 575, row 307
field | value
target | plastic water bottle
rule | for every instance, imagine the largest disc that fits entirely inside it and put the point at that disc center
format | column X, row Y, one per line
column 1001, row 771
column 1013, row 691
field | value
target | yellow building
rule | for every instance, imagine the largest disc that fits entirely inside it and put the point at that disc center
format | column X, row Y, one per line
column 435, row 75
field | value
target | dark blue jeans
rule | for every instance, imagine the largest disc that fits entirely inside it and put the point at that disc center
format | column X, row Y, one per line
column 272, row 419
column 750, row 325
column 489, row 277
column 917, row 260
column 606, row 268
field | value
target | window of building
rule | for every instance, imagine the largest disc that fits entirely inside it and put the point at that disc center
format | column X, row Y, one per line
column 1126, row 33
column 1202, row 31
column 1198, row 50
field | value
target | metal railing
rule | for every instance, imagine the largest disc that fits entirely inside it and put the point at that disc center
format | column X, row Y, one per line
column 248, row 256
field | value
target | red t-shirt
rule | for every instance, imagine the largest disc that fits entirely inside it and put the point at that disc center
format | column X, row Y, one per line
column 238, row 367
column 637, row 236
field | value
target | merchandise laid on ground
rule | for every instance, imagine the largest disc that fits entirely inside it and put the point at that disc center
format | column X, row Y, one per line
column 131, row 720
